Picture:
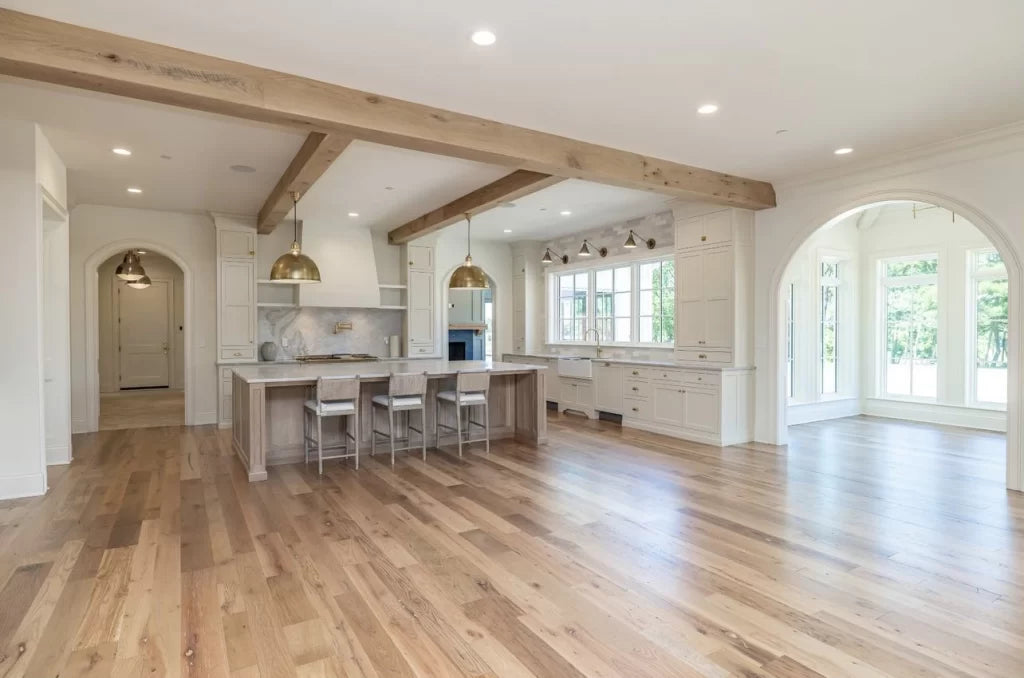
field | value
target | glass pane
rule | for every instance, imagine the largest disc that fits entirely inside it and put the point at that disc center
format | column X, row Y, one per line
column 649, row 275
column 988, row 261
column 604, row 328
column 992, row 305
column 829, row 269
column 566, row 330
column 646, row 302
column 646, row 329
column 911, row 337
column 623, row 279
column 623, row 329
column 579, row 330
column 580, row 304
column 829, row 303
column 603, row 281
column 905, row 267
column 623, row 302
column 603, row 303
column 565, row 285
column 668, row 275
column 565, row 308
column 828, row 358
column 668, row 328
column 581, row 282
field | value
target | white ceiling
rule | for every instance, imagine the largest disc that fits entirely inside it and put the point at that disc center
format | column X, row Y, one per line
column 877, row 75
column 84, row 126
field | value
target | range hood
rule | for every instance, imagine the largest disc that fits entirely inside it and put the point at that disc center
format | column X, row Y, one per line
column 348, row 270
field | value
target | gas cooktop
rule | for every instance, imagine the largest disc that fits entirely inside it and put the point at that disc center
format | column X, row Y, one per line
column 337, row 358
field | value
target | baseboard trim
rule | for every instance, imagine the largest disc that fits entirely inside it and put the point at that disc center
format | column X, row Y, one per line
column 80, row 426
column 15, row 487
column 58, row 455
column 673, row 432
column 804, row 413
column 204, row 418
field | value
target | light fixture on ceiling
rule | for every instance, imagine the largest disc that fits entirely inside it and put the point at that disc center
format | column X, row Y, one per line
column 547, row 258
column 294, row 266
column 585, row 250
column 244, row 169
column 631, row 241
column 484, row 38
column 507, row 230
column 134, row 189
column 130, row 268
column 845, row 150
column 468, row 276
column 707, row 109
column 121, row 151
column 140, row 284
column 353, row 214
column 565, row 213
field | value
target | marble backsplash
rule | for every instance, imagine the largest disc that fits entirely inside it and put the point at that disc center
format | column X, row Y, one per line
column 311, row 330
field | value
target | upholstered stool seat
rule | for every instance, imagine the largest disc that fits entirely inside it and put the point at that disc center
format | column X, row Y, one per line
column 333, row 397
column 406, row 393
column 471, row 390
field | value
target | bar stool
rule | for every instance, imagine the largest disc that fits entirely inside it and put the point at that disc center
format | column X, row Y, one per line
column 334, row 397
column 406, row 393
column 471, row 390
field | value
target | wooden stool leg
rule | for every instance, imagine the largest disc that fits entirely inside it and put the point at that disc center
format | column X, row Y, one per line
column 391, row 432
column 487, row 427
column 423, row 430
column 355, row 418
column 458, row 421
column 320, row 443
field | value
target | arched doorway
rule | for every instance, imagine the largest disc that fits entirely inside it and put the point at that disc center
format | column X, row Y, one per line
column 469, row 322
column 777, row 354
column 91, row 284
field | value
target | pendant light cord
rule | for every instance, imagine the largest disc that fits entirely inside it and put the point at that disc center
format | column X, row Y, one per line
column 295, row 217
column 469, row 237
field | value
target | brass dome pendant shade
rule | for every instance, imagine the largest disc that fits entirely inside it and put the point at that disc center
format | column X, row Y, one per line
column 131, row 268
column 140, row 284
column 468, row 276
column 294, row 266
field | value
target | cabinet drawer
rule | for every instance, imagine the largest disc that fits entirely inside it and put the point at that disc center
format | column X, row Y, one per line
column 634, row 372
column 248, row 353
column 666, row 374
column 636, row 409
column 702, row 378
column 697, row 356
column 421, row 349
column 636, row 389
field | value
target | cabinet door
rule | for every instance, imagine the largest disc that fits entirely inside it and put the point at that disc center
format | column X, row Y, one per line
column 690, row 306
column 519, row 330
column 718, row 298
column 668, row 404
column 237, row 303
column 421, row 307
column 566, row 392
column 460, row 305
column 716, row 228
column 421, row 257
column 237, row 244
column 701, row 412
column 688, row 233
column 608, row 388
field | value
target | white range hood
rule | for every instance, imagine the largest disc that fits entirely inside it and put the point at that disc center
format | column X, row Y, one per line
column 343, row 252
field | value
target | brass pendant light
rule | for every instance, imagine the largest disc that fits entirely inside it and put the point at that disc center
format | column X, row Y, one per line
column 131, row 268
column 468, row 276
column 140, row 284
column 631, row 241
column 294, row 266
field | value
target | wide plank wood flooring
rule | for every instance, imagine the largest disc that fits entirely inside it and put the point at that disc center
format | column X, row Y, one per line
column 141, row 409
column 867, row 548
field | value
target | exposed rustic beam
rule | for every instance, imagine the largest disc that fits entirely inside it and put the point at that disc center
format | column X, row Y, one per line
column 51, row 51
column 316, row 155
column 509, row 187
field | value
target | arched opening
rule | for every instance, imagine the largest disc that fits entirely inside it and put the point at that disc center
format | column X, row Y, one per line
column 141, row 359
column 929, row 314
column 165, row 263
column 469, row 322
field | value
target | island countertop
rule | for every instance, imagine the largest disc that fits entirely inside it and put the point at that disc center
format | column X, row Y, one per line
column 270, row 373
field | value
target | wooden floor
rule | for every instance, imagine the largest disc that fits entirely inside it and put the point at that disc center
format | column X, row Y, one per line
column 141, row 409
column 869, row 548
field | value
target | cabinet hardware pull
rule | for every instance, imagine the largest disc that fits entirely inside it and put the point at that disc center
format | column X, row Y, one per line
column 237, row 353
column 703, row 238
column 252, row 253
column 635, row 372
column 635, row 388
column 702, row 356
column 636, row 409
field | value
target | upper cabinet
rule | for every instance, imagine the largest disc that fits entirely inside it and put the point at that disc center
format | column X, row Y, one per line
column 714, row 287
column 236, row 244
column 236, row 289
column 420, row 335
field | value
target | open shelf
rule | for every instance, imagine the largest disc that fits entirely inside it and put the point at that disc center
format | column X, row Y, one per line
column 274, row 304
column 388, row 286
column 392, row 308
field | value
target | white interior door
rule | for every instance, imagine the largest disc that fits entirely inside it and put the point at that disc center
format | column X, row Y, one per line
column 144, row 335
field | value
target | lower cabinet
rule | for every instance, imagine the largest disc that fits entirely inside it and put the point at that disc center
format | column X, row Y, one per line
column 607, row 387
column 669, row 404
column 701, row 412
column 577, row 395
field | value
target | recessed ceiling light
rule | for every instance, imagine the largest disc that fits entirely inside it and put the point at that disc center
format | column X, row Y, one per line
column 507, row 204
column 508, row 230
column 353, row 214
column 121, row 151
column 389, row 188
column 244, row 169
column 843, row 151
column 565, row 213
column 483, row 38
column 707, row 109
column 165, row 156
column 133, row 189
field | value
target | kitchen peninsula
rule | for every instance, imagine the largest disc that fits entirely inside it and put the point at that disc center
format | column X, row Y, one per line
column 267, row 402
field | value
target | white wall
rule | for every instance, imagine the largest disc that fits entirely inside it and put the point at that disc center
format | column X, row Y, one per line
column 157, row 268
column 981, row 177
column 190, row 238
column 28, row 166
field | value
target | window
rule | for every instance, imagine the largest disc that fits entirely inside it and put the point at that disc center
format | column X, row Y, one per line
column 990, row 302
column 790, row 334
column 910, row 319
column 629, row 303
column 613, row 303
column 572, row 306
column 828, row 336
column 657, row 302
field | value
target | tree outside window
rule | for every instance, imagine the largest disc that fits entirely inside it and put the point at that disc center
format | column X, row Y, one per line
column 911, row 325
column 991, row 309
column 657, row 286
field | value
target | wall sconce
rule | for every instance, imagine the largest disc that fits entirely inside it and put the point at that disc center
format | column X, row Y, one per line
column 585, row 250
column 631, row 241
column 547, row 258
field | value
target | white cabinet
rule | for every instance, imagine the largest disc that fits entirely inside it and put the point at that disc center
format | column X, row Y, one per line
column 236, row 244
column 421, row 301
column 236, row 301
column 714, row 288
column 701, row 410
column 465, row 307
column 576, row 395
column 420, row 257
column 668, row 404
column 607, row 385
column 519, row 313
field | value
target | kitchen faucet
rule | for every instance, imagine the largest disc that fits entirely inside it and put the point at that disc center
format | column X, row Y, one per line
column 597, row 336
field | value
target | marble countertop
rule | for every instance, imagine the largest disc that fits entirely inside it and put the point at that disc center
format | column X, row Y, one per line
column 616, row 361
column 268, row 373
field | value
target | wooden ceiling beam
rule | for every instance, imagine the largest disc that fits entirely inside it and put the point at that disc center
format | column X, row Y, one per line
column 41, row 49
column 314, row 157
column 509, row 187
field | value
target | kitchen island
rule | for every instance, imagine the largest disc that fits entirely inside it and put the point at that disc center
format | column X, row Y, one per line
column 268, row 398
